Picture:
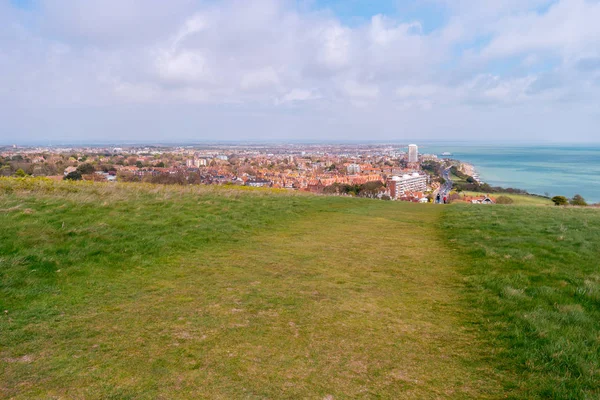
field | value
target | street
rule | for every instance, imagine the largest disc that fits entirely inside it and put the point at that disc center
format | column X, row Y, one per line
column 444, row 191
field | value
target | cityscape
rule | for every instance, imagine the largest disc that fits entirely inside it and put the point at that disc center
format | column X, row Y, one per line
column 391, row 172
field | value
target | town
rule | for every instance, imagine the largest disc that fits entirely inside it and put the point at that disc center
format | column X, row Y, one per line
column 388, row 172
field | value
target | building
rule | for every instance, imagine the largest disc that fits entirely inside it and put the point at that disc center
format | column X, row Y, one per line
column 258, row 183
column 429, row 157
column 353, row 169
column 479, row 200
column 399, row 185
column 413, row 153
column 197, row 163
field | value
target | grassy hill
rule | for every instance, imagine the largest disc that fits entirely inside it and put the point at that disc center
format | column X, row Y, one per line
column 518, row 199
column 140, row 291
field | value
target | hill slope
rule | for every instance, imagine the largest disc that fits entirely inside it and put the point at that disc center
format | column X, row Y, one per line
column 133, row 291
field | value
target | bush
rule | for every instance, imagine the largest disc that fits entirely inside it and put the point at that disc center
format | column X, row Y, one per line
column 73, row 176
column 560, row 201
column 578, row 200
column 504, row 200
column 86, row 169
column 453, row 197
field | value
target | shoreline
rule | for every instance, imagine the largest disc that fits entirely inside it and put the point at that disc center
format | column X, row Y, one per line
column 469, row 169
column 533, row 171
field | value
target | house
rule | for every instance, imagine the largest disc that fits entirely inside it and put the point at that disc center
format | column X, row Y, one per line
column 479, row 200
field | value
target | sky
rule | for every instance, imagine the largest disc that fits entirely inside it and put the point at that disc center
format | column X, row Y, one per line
column 192, row 70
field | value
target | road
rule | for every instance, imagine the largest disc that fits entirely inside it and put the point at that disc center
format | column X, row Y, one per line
column 445, row 189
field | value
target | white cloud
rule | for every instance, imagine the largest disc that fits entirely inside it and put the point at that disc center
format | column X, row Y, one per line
column 263, row 54
column 296, row 95
column 260, row 78
column 357, row 90
column 566, row 29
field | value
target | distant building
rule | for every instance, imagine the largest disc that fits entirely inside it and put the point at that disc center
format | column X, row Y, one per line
column 353, row 169
column 197, row 163
column 399, row 185
column 258, row 183
column 429, row 157
column 413, row 153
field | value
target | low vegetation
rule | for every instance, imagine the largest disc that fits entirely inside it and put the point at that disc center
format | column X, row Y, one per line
column 517, row 199
column 533, row 274
column 144, row 291
column 151, row 291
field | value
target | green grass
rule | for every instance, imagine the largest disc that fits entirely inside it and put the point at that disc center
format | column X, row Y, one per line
column 519, row 199
column 534, row 275
column 133, row 291
column 141, row 291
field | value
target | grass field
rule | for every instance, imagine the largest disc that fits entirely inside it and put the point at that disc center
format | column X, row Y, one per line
column 533, row 272
column 519, row 199
column 135, row 291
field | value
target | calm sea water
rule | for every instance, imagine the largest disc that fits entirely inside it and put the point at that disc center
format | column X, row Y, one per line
column 556, row 170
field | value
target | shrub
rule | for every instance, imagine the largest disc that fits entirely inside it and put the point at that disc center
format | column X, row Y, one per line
column 453, row 197
column 73, row 176
column 20, row 173
column 504, row 200
column 86, row 169
column 578, row 200
column 560, row 200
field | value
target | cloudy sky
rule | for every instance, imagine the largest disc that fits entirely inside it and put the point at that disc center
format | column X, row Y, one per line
column 101, row 70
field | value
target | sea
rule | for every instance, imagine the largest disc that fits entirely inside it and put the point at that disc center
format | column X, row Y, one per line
column 546, row 170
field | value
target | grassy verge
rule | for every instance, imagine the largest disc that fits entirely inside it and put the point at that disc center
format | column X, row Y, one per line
column 140, row 291
column 533, row 272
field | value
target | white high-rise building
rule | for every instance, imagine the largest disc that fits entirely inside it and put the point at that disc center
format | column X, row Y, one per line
column 398, row 186
column 413, row 153
column 353, row 169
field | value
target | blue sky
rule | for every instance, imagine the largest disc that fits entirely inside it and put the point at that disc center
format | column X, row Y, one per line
column 300, row 69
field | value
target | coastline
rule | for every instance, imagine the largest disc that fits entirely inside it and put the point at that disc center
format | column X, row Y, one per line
column 539, row 170
column 469, row 169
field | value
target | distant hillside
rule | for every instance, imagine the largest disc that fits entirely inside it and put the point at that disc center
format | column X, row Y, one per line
column 147, row 291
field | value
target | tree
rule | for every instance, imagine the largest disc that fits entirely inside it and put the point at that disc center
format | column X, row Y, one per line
column 370, row 189
column 504, row 200
column 73, row 176
column 578, row 200
column 139, row 164
column 20, row 173
column 86, row 169
column 560, row 201
column 5, row 170
column 453, row 197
